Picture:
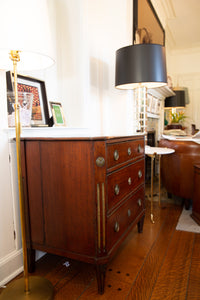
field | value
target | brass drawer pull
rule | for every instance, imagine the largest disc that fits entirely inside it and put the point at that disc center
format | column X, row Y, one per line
column 139, row 148
column 116, row 228
column 129, row 181
column 140, row 174
column 129, row 212
column 116, row 189
column 129, row 151
column 139, row 202
column 116, row 155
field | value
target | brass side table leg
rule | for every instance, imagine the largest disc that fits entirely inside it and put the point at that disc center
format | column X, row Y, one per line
column 152, row 160
column 159, row 157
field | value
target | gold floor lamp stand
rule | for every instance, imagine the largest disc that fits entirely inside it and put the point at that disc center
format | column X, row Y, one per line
column 37, row 288
column 40, row 288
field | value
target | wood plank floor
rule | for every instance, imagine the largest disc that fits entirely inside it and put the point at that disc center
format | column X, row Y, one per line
column 161, row 263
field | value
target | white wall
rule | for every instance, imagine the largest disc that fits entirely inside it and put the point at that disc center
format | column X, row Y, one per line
column 184, row 68
column 89, row 33
column 86, row 35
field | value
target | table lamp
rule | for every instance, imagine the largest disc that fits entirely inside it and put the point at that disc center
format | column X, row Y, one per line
column 25, row 39
column 140, row 65
column 176, row 101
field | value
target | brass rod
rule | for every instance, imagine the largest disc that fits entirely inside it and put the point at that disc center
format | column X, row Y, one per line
column 14, row 55
column 104, row 217
column 159, row 157
column 152, row 160
column 98, row 218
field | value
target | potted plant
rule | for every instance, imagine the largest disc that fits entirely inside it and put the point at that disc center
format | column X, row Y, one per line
column 177, row 118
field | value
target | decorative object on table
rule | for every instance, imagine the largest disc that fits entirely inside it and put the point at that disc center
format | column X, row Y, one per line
column 25, row 101
column 136, row 64
column 27, row 42
column 173, row 103
column 177, row 119
column 57, row 113
column 40, row 112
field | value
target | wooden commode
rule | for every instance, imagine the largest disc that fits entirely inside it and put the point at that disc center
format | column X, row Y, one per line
column 82, row 196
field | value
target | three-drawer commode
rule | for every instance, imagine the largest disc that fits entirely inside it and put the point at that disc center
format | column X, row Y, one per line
column 82, row 196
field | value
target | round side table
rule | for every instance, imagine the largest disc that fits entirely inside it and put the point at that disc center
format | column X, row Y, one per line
column 152, row 152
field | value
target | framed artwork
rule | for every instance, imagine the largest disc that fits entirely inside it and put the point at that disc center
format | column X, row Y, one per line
column 149, row 102
column 147, row 23
column 40, row 112
column 57, row 113
column 154, row 105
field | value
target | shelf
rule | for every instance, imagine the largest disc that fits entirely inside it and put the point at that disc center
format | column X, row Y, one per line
column 161, row 92
column 154, row 116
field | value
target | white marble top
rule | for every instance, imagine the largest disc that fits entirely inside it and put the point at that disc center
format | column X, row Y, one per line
column 57, row 132
column 158, row 150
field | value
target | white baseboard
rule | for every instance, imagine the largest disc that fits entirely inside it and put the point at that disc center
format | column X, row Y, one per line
column 12, row 265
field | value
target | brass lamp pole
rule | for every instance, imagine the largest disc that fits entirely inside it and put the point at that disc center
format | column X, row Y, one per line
column 14, row 56
column 34, row 287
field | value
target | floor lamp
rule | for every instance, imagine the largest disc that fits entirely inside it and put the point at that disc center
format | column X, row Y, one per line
column 26, row 41
column 140, row 65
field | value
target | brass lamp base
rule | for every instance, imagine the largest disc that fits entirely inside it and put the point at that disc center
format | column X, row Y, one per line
column 40, row 289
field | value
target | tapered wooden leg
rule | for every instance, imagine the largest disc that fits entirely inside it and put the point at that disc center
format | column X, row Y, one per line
column 140, row 224
column 100, row 274
column 31, row 260
column 187, row 204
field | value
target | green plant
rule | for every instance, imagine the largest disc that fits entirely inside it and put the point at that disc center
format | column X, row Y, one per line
column 177, row 117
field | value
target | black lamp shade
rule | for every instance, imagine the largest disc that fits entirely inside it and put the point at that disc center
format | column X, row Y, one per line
column 140, row 64
column 176, row 101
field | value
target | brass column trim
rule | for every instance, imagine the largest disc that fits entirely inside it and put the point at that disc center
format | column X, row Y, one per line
column 98, row 218
column 103, row 216
column 152, row 160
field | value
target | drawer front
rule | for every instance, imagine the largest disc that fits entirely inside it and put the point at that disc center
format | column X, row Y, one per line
column 122, row 182
column 123, row 217
column 119, row 153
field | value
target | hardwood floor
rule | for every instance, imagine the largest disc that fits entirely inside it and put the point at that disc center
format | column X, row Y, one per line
column 161, row 263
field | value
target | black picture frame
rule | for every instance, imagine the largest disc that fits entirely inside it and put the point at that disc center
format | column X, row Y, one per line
column 145, row 16
column 40, row 111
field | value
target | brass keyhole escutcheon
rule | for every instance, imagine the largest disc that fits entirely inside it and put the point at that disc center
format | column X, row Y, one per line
column 139, row 148
column 100, row 161
column 139, row 202
column 129, row 212
column 129, row 181
column 129, row 151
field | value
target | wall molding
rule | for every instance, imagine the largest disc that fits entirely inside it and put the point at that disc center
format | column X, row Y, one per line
column 10, row 266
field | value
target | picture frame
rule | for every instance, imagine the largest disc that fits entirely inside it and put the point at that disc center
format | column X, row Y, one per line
column 40, row 111
column 57, row 114
column 149, row 102
column 150, row 23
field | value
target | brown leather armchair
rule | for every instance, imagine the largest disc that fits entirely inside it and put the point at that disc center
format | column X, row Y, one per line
column 177, row 172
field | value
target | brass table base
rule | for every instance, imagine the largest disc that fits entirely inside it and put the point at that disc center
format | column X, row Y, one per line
column 40, row 289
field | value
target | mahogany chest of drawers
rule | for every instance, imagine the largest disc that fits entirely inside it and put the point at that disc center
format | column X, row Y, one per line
column 82, row 196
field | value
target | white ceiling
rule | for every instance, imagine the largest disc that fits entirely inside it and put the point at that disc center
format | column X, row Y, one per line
column 181, row 19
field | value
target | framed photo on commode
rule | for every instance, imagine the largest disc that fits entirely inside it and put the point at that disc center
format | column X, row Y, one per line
column 40, row 112
column 57, row 113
